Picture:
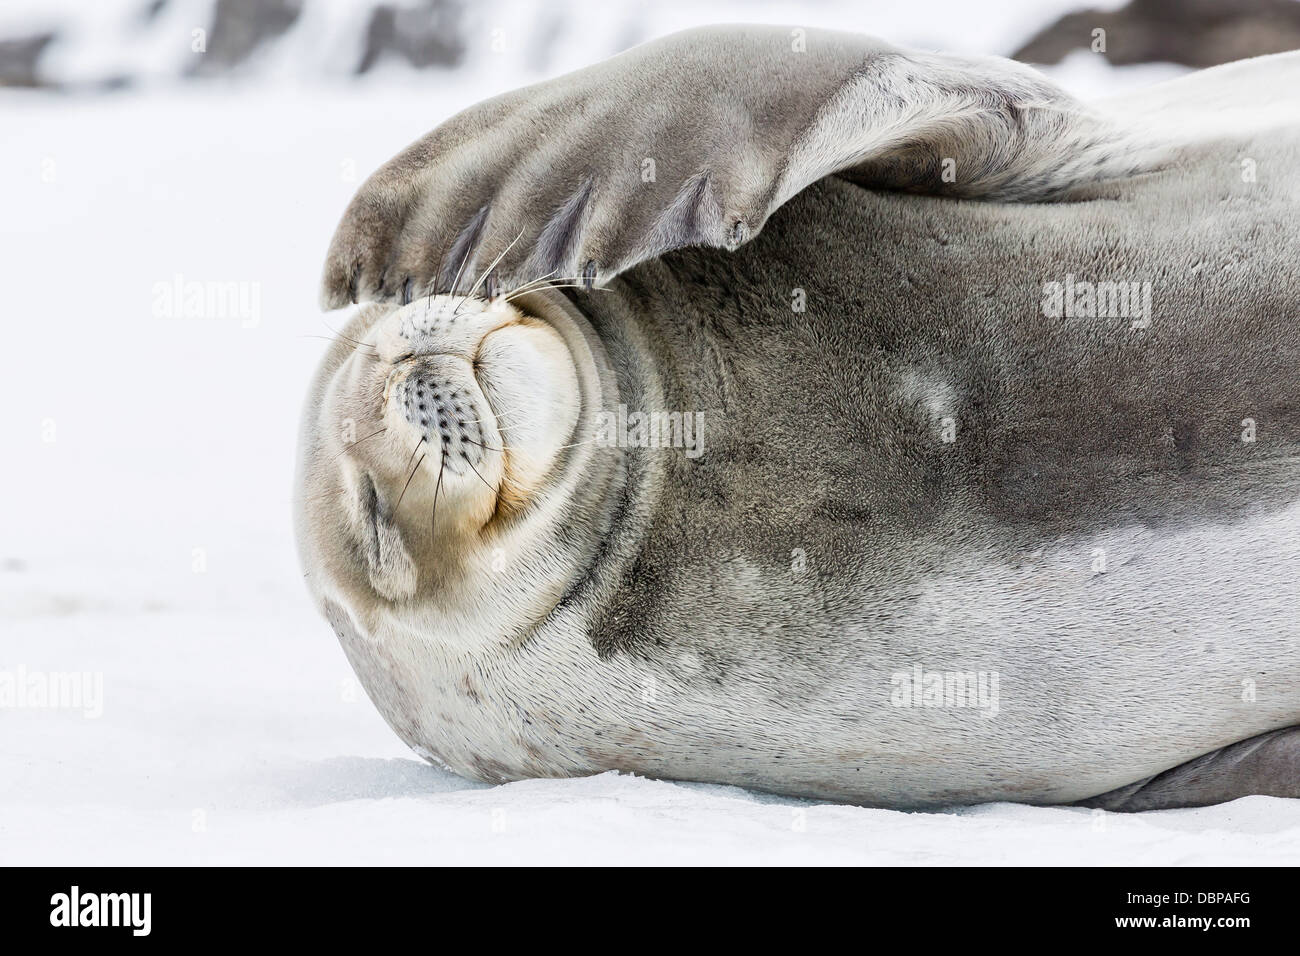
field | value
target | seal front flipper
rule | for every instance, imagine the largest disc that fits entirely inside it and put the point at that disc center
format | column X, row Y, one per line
column 695, row 139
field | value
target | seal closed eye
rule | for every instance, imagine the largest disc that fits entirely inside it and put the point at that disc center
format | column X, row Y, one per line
column 998, row 498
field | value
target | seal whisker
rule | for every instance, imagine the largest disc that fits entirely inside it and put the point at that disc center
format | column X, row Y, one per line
column 338, row 338
column 433, row 518
column 549, row 277
column 432, row 284
column 480, row 477
column 492, row 265
column 470, row 245
column 408, row 478
column 351, row 445
column 540, row 281
column 573, row 285
column 356, row 342
column 496, row 416
column 567, row 285
column 533, row 282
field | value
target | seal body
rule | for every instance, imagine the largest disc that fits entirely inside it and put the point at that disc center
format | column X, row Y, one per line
column 911, row 471
column 908, row 501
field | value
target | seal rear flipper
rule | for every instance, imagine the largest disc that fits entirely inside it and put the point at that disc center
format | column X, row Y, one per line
column 1266, row 765
column 695, row 139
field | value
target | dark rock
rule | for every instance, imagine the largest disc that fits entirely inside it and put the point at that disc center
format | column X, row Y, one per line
column 114, row 83
column 1196, row 33
column 20, row 60
column 239, row 27
column 425, row 35
column 151, row 10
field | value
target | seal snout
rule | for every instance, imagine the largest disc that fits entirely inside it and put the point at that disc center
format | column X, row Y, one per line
column 447, row 417
column 447, row 461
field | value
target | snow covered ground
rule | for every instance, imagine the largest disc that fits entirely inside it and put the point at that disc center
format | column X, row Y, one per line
column 145, row 538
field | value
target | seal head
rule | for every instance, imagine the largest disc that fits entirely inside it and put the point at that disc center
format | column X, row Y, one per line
column 437, row 434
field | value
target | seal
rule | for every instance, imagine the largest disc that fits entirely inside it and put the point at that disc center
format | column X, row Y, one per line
column 785, row 409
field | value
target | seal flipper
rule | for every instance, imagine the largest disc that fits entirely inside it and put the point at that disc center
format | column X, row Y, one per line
column 1267, row 765
column 695, row 139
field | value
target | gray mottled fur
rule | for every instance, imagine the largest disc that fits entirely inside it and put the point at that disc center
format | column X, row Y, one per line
column 919, row 468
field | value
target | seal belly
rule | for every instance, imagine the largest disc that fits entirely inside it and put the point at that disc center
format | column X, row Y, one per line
column 1050, row 446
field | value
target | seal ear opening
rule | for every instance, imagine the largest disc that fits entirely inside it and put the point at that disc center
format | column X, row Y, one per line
column 392, row 571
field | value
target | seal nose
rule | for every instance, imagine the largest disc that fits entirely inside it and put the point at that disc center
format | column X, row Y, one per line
column 445, row 413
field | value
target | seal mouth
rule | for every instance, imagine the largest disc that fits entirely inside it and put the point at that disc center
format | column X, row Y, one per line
column 438, row 400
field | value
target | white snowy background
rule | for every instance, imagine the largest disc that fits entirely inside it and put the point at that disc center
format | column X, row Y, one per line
column 147, row 462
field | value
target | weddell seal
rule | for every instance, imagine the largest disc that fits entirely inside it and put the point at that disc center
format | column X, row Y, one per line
column 782, row 408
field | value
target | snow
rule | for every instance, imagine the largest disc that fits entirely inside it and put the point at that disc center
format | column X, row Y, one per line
column 145, row 534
